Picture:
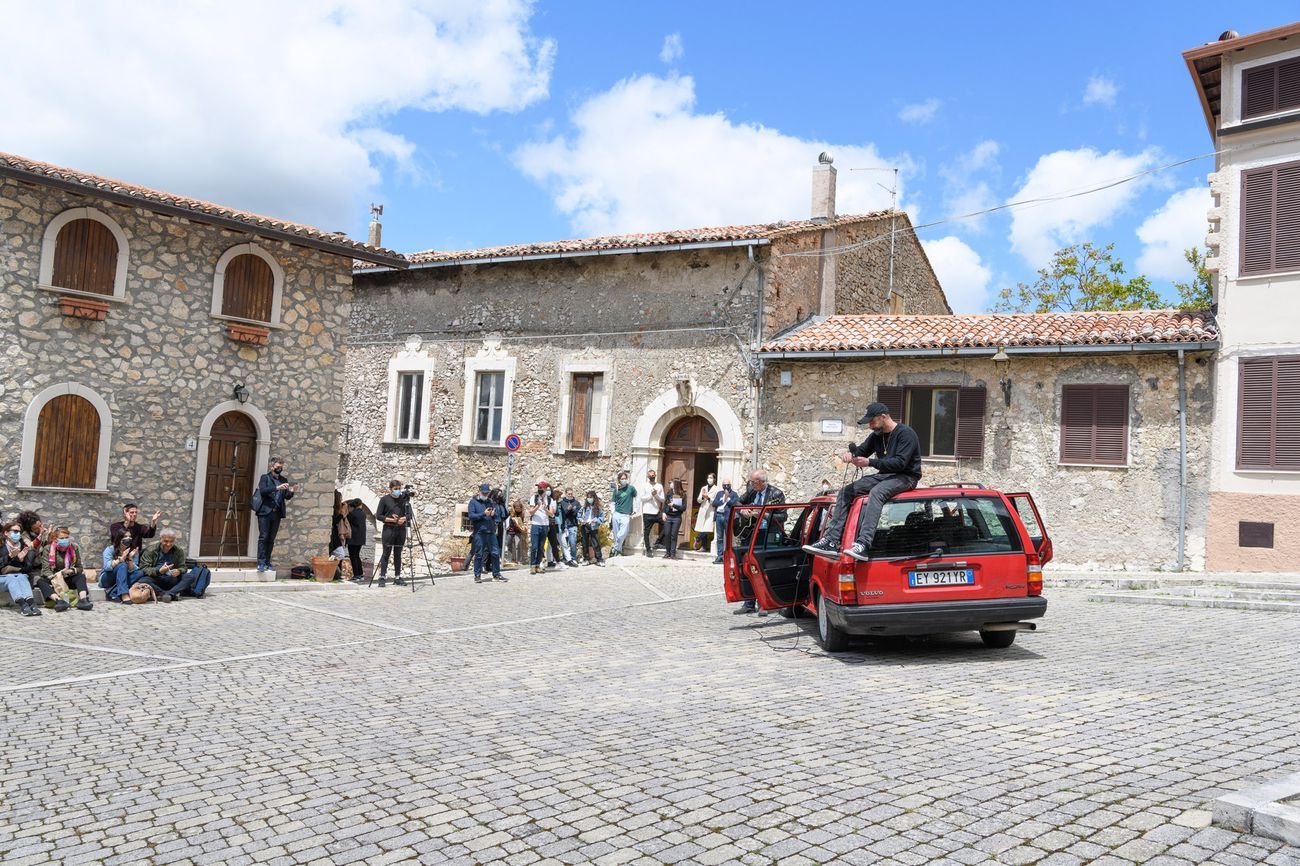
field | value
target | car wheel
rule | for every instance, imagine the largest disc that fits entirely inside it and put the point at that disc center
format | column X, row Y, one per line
column 832, row 639
column 998, row 639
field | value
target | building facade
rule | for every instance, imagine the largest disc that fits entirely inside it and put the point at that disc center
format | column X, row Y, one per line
column 161, row 350
column 1249, row 87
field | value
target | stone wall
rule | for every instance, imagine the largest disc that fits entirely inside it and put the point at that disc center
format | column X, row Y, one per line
column 162, row 362
column 1124, row 518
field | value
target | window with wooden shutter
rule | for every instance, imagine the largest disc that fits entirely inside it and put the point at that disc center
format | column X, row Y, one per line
column 1270, row 88
column 1094, row 424
column 970, row 423
column 891, row 396
column 85, row 257
column 1268, row 413
column 67, row 443
column 1270, row 219
column 582, row 400
column 248, row 289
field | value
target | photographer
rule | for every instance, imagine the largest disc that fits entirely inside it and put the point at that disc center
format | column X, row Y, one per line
column 273, row 491
column 482, row 513
column 392, row 512
column 540, row 511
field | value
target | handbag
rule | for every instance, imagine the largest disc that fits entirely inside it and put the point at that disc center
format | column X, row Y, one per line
column 345, row 530
column 141, row 593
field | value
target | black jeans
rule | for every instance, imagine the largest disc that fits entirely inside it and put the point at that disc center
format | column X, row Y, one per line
column 882, row 486
column 672, row 524
column 589, row 538
column 395, row 550
column 557, row 553
column 268, row 526
column 647, row 521
column 354, row 554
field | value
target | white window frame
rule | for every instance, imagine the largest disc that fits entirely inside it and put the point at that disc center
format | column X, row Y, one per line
column 411, row 360
column 492, row 359
column 45, row 277
column 219, row 284
column 31, row 420
column 600, row 405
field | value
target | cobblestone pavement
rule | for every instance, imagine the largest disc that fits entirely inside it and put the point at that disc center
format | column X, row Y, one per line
column 624, row 715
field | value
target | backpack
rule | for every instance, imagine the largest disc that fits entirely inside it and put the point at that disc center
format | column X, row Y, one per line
column 301, row 572
column 255, row 502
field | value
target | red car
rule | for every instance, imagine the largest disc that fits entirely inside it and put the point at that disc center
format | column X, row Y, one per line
column 955, row 558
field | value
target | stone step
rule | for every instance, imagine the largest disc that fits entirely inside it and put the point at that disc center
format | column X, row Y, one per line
column 1237, row 592
column 1208, row 601
column 1271, row 810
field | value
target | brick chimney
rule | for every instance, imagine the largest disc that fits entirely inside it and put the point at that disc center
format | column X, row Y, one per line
column 823, row 189
column 376, row 228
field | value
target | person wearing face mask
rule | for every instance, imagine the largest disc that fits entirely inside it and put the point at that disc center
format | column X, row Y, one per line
column 674, row 508
column 17, row 561
column 63, row 563
column 273, row 491
column 590, row 517
column 35, row 532
column 540, row 510
column 392, row 514
column 482, row 514
column 567, row 512
column 825, row 489
column 121, row 568
column 704, row 513
column 722, row 502
column 624, row 499
column 652, row 503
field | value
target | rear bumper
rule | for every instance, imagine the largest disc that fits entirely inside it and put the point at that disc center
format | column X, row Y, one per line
column 931, row 617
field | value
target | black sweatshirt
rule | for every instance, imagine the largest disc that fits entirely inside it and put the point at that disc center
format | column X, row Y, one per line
column 898, row 452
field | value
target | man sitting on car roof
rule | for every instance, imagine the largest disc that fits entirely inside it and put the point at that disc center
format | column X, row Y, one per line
column 893, row 450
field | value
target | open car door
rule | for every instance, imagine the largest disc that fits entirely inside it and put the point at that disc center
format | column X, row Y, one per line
column 1027, row 511
column 740, row 536
column 777, row 565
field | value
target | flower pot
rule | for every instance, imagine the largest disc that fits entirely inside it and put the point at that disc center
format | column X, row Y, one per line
column 324, row 567
column 458, row 563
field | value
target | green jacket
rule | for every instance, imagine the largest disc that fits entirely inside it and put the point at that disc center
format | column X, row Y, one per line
column 48, row 568
column 149, row 559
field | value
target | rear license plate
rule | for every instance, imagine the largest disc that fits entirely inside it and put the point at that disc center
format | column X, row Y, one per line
column 941, row 578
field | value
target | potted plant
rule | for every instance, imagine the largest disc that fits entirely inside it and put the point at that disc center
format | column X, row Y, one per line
column 324, row 567
column 455, row 551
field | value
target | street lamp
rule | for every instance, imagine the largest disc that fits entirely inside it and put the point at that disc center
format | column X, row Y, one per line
column 240, row 393
column 1003, row 365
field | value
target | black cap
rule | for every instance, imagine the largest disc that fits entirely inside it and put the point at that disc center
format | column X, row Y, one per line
column 873, row 409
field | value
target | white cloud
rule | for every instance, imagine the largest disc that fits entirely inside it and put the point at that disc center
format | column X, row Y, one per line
column 672, row 50
column 964, row 277
column 1038, row 230
column 1100, row 90
column 968, row 186
column 640, row 158
column 1179, row 224
column 919, row 112
column 278, row 108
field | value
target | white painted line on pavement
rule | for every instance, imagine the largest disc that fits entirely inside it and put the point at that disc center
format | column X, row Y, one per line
column 398, row 628
column 96, row 648
column 656, row 590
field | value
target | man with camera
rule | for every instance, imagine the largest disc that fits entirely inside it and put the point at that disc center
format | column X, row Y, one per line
column 483, row 514
column 394, row 513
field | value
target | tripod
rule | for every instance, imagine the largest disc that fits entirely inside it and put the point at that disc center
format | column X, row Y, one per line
column 231, row 515
column 415, row 540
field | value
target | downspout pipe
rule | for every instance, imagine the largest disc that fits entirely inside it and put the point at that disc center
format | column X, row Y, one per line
column 756, row 372
column 1182, row 461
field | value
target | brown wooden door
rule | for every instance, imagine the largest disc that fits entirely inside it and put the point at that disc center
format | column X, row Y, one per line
column 233, row 438
column 687, row 438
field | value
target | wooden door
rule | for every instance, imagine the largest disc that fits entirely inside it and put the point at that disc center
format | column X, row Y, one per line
column 234, row 442
column 685, row 440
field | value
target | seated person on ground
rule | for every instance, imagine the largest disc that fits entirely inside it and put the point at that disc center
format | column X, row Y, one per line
column 17, row 561
column 165, row 570
column 894, row 451
column 121, row 568
column 63, row 569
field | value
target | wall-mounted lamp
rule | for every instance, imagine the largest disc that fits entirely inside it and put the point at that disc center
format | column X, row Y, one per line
column 240, row 393
column 1002, row 363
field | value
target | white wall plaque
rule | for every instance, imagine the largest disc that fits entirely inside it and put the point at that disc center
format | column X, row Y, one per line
column 832, row 426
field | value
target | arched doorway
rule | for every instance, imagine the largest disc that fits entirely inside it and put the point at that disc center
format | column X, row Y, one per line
column 690, row 454
column 231, row 461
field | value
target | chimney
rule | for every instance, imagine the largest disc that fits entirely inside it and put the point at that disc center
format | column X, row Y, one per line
column 376, row 228
column 823, row 189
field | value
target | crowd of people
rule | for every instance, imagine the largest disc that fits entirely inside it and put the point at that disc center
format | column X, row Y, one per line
column 44, row 564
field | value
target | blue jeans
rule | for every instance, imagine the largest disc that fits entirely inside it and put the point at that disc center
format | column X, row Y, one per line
column 486, row 552
column 620, row 523
column 719, row 537
column 17, row 585
column 538, row 539
column 117, row 580
column 570, row 543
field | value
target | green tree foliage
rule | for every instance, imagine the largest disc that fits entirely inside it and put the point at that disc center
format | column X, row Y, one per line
column 1198, row 292
column 1081, row 278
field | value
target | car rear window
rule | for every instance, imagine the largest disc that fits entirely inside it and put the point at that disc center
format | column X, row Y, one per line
column 957, row 526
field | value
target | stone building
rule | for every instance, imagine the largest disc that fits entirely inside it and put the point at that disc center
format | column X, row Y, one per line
column 161, row 349
column 1249, row 89
column 1081, row 409
column 604, row 353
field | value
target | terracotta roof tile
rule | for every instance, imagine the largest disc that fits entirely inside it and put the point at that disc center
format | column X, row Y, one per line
column 33, row 171
column 990, row 330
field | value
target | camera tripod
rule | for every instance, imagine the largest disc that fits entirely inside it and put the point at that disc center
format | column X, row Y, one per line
column 414, row 539
column 232, row 516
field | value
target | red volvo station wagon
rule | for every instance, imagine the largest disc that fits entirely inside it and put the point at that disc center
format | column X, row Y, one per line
column 959, row 557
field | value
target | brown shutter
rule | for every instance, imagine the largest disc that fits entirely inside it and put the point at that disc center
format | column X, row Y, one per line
column 1255, row 402
column 891, row 396
column 85, row 257
column 1257, row 221
column 1288, row 85
column 67, row 443
column 1110, row 425
column 1077, row 405
column 580, row 411
column 1259, row 91
column 1286, row 429
column 248, row 288
column 1286, row 218
column 970, row 423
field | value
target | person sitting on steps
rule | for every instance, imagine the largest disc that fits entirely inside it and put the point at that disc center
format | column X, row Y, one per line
column 894, row 451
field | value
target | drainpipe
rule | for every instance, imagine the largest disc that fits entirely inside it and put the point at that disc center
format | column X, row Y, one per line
column 756, row 371
column 1182, row 461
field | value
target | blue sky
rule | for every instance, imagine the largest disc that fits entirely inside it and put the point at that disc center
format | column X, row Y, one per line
column 505, row 123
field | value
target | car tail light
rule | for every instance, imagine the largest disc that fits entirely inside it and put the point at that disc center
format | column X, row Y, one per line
column 848, row 586
column 1034, row 575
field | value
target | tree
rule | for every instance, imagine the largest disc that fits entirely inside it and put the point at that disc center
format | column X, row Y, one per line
column 1081, row 278
column 1198, row 292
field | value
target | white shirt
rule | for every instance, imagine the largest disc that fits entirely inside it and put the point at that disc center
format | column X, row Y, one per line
column 650, row 505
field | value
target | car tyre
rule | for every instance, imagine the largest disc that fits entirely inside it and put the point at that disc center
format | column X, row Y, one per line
column 998, row 639
column 830, row 636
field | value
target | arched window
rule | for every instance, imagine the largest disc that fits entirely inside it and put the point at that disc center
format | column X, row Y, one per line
column 247, row 285
column 66, row 436
column 84, row 251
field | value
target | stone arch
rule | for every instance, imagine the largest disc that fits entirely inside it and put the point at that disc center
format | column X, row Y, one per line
column 262, row 458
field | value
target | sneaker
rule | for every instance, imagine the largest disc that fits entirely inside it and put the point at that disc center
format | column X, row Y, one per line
column 571, row 564
column 824, row 547
column 85, row 603
column 501, row 577
column 61, row 605
column 744, row 608
column 478, row 579
column 399, row 582
column 859, row 552
column 123, row 599
column 717, row 562
column 28, row 608
column 600, row 563
column 167, row 597
column 383, row 582
column 533, row 570
column 762, row 612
